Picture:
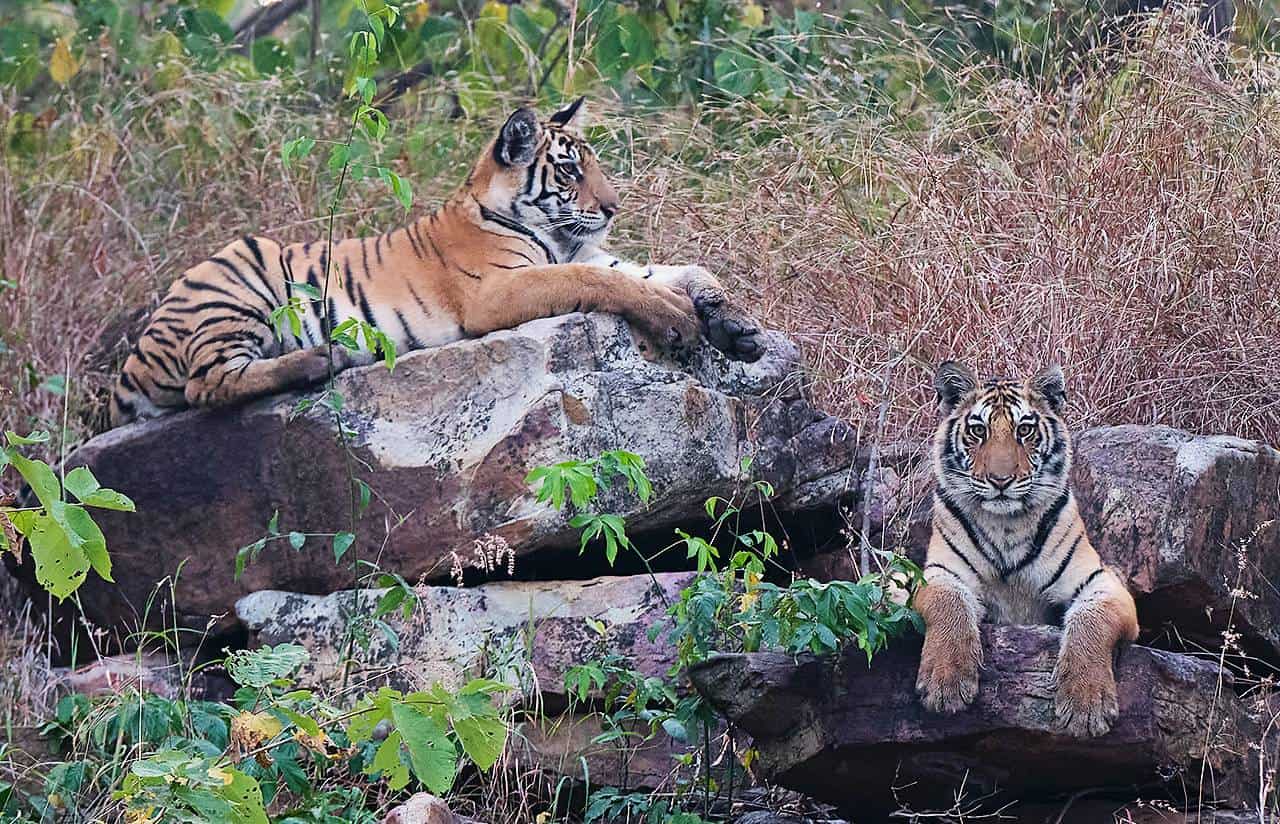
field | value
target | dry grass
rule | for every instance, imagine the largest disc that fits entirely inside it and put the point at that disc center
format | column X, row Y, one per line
column 1124, row 225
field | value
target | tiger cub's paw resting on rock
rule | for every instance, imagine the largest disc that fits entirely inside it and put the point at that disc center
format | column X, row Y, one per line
column 948, row 678
column 1085, row 704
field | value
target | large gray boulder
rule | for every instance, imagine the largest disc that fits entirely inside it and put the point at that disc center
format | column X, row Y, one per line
column 858, row 737
column 445, row 443
column 524, row 632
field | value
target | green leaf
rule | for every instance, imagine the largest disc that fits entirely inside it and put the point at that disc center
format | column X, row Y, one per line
column 39, row 476
column 260, row 667
column 388, row 762
column 81, row 483
column 431, row 752
column 269, row 56
column 483, row 738
column 297, row 540
column 341, row 543
column 92, row 542
column 736, row 73
column 39, row 436
column 60, row 567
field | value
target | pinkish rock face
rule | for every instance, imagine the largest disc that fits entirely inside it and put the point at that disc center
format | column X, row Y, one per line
column 846, row 734
column 445, row 442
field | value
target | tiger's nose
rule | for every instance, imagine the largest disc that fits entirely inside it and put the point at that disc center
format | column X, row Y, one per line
column 608, row 208
column 1000, row 481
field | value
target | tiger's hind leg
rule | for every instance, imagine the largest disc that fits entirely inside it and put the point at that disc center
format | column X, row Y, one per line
column 225, row 381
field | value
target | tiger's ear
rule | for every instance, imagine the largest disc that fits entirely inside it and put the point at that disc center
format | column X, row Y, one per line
column 1052, row 386
column 570, row 116
column 953, row 382
column 517, row 143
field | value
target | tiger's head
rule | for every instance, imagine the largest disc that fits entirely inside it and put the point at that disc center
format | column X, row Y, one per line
column 1002, row 446
column 544, row 176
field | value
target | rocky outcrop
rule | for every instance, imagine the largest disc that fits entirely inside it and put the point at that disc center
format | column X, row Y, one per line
column 528, row 633
column 542, row 627
column 859, row 738
column 445, row 442
column 1193, row 523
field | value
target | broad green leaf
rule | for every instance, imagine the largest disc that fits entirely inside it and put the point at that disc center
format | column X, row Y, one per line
column 60, row 567
column 92, row 542
column 260, row 667
column 388, row 762
column 431, row 752
column 341, row 543
column 39, row 476
column 81, row 483
column 483, row 738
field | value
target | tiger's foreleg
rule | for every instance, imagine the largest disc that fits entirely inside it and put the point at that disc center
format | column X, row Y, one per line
column 222, row 379
column 1101, row 615
column 951, row 604
column 727, row 327
column 663, row 315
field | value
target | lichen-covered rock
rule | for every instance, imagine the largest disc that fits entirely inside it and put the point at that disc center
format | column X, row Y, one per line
column 445, row 442
column 859, row 738
column 1193, row 523
column 538, row 628
column 528, row 633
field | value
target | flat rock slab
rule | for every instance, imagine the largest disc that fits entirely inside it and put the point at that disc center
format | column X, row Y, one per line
column 445, row 442
column 848, row 735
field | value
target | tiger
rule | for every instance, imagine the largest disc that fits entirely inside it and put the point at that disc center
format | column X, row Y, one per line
column 522, row 238
column 1008, row 546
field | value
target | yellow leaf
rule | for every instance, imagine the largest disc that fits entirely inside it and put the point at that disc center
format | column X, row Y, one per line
column 752, row 15
column 63, row 65
column 494, row 9
column 249, row 730
column 222, row 775
column 417, row 14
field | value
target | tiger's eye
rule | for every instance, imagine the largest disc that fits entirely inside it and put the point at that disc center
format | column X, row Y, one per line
column 978, row 430
column 1026, row 430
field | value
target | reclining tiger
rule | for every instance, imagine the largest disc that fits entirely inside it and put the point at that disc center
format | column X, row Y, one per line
column 521, row 239
column 1009, row 546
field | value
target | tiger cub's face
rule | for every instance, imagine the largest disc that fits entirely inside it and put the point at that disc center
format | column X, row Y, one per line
column 1002, row 446
column 545, row 176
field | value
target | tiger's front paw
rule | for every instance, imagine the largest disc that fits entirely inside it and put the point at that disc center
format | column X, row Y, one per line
column 729, row 330
column 948, row 677
column 1085, row 704
column 669, row 322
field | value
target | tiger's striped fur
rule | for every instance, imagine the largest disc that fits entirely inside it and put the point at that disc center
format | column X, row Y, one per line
column 1008, row 546
column 520, row 240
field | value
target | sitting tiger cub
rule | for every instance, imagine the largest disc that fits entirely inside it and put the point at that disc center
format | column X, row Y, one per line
column 520, row 240
column 1008, row 546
